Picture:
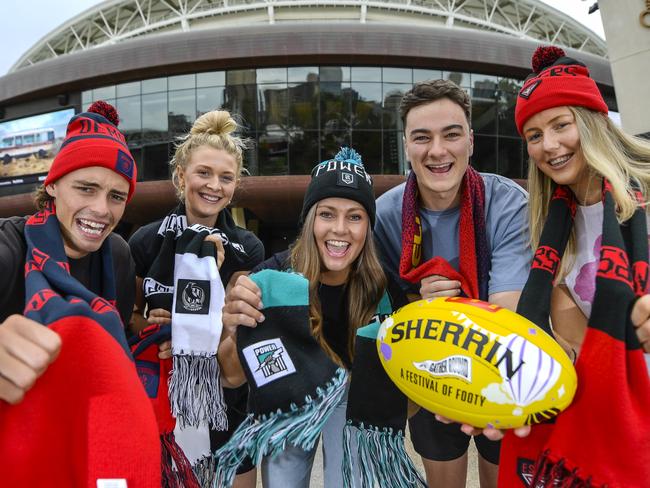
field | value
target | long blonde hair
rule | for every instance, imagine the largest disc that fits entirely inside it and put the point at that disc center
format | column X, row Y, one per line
column 211, row 129
column 364, row 289
column 608, row 152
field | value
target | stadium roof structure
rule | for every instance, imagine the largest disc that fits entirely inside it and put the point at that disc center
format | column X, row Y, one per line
column 115, row 21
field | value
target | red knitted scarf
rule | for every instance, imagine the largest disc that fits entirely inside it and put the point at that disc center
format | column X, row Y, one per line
column 603, row 438
column 473, row 249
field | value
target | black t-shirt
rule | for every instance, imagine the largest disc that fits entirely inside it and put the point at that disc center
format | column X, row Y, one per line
column 12, row 270
column 145, row 246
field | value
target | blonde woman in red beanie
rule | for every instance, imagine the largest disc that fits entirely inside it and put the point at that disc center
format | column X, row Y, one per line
column 589, row 184
column 80, row 413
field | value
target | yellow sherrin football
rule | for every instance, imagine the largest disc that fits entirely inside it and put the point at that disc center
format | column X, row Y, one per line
column 476, row 363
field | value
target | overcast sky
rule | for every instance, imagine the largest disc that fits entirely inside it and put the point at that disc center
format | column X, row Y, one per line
column 27, row 21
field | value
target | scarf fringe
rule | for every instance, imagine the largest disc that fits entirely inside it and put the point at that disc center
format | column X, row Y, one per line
column 177, row 471
column 204, row 471
column 556, row 475
column 383, row 460
column 195, row 391
column 270, row 434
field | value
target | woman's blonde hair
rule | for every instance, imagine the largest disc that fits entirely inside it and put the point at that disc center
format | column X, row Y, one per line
column 211, row 129
column 364, row 288
column 609, row 152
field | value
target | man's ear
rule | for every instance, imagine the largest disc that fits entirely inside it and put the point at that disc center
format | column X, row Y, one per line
column 471, row 142
column 51, row 190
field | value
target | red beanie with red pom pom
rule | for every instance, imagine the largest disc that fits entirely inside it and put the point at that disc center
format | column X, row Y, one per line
column 93, row 139
column 557, row 80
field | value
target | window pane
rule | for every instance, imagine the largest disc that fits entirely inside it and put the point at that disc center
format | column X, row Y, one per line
column 271, row 75
column 302, row 73
column 397, row 75
column 426, row 74
column 130, row 120
column 303, row 152
column 273, row 149
column 331, row 143
column 484, row 115
column 393, row 94
column 156, row 162
column 240, row 77
column 485, row 154
column 393, row 155
column 335, row 74
column 128, row 89
column 273, row 110
column 182, row 111
column 366, row 105
column 182, row 82
column 104, row 93
column 154, row 117
column 303, row 105
column 511, row 157
column 242, row 100
column 86, row 98
column 506, row 117
column 461, row 79
column 208, row 99
column 335, row 106
column 212, row 78
column 366, row 74
column 154, row 85
column 369, row 145
column 484, row 86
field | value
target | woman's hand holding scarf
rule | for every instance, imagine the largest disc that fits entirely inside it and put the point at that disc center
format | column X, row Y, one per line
column 221, row 253
column 162, row 317
column 242, row 306
column 640, row 317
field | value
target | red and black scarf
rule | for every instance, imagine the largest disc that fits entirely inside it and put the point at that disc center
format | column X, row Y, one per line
column 87, row 418
column 474, row 265
column 603, row 438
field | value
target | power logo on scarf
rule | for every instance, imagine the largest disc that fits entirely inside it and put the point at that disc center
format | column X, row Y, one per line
column 193, row 296
column 268, row 361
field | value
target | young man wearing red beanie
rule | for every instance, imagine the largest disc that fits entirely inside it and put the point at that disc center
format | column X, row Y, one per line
column 70, row 398
column 451, row 231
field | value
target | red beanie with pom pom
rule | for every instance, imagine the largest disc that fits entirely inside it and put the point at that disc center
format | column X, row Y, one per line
column 93, row 139
column 557, row 80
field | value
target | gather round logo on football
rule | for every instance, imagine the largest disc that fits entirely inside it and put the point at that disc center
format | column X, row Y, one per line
column 476, row 363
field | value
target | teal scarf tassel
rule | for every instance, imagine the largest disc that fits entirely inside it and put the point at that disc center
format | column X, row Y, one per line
column 270, row 434
column 383, row 460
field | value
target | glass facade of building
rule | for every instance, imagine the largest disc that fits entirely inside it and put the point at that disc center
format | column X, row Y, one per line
column 297, row 116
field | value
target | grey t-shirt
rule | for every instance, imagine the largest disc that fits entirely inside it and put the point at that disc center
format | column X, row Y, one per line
column 506, row 227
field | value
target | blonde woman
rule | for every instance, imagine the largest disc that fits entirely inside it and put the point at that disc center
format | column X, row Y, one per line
column 589, row 184
column 206, row 169
column 336, row 253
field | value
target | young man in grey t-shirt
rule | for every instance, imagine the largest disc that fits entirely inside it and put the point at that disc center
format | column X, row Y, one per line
column 439, row 142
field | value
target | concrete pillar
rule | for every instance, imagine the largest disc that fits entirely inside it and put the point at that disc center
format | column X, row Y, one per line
column 627, row 30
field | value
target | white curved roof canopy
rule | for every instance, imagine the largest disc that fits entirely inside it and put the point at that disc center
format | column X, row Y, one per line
column 114, row 21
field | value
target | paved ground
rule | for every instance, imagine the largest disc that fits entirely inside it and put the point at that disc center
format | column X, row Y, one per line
column 472, row 472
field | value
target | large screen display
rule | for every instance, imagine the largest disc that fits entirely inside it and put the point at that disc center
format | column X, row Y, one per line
column 28, row 146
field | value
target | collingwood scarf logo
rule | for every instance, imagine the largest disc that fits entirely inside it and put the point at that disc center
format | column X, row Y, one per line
column 193, row 296
column 268, row 361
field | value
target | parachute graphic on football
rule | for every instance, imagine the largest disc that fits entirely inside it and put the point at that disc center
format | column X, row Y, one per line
column 476, row 363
